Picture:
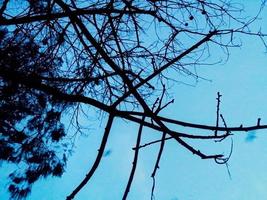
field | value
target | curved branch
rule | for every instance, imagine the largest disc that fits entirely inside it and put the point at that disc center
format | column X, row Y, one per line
column 58, row 15
column 201, row 126
column 97, row 160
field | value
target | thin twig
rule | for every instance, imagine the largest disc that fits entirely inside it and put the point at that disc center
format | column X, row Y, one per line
column 156, row 167
column 217, row 112
column 153, row 142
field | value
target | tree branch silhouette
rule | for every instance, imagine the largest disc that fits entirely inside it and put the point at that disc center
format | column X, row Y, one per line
column 97, row 160
column 117, row 57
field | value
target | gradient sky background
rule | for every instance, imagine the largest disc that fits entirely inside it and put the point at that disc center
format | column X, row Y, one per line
column 182, row 176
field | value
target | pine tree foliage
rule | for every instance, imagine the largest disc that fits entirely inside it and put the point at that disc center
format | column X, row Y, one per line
column 30, row 120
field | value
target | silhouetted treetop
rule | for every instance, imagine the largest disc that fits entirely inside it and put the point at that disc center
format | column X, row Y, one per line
column 116, row 57
column 30, row 120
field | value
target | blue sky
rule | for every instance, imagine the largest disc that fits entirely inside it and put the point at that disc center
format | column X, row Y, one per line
column 182, row 176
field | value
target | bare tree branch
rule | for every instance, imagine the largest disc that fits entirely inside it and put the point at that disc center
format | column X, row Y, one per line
column 130, row 180
column 97, row 160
